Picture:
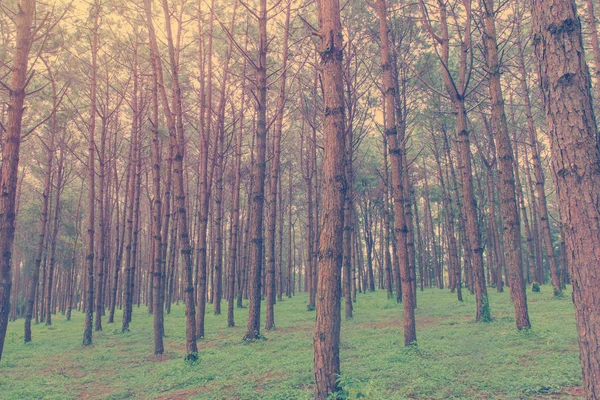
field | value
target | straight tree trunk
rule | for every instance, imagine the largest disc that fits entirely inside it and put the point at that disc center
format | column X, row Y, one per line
column 120, row 237
column 177, row 141
column 594, row 44
column 54, row 233
column 275, row 170
column 235, row 214
column 397, row 163
column 510, row 212
column 258, row 185
column 349, row 217
column 454, row 264
column 132, row 214
column 327, row 327
column 42, row 238
column 537, row 164
column 10, row 156
column 157, row 247
column 457, row 89
column 565, row 82
column 89, row 305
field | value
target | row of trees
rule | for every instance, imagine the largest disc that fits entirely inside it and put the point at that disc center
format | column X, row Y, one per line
column 176, row 151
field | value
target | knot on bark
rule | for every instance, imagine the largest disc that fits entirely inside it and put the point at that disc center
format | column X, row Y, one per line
column 567, row 79
column 566, row 26
column 330, row 111
column 391, row 131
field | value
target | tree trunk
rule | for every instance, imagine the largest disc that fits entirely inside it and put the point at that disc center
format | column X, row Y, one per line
column 258, row 185
column 398, row 182
column 10, row 156
column 89, row 307
column 157, row 246
column 537, row 164
column 594, row 43
column 177, row 141
column 327, row 327
column 566, row 83
column 54, row 233
column 275, row 169
column 132, row 214
column 510, row 212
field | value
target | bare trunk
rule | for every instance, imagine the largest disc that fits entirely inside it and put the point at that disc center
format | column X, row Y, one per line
column 327, row 327
column 275, row 170
column 54, row 234
column 89, row 307
column 10, row 156
column 398, row 181
column 177, row 141
column 566, row 83
column 537, row 164
column 258, row 185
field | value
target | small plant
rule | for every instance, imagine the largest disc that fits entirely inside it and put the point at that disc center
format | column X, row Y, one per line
column 535, row 288
column 310, row 308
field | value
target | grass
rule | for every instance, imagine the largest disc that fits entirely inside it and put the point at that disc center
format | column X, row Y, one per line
column 455, row 357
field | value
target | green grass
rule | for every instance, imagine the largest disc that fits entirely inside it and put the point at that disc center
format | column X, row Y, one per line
column 455, row 357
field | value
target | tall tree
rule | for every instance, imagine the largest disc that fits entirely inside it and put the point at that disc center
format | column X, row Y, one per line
column 275, row 170
column 258, row 183
column 177, row 141
column 398, row 181
column 540, row 181
column 89, row 302
column 10, row 155
column 565, row 81
column 457, row 89
column 157, row 259
column 326, row 336
column 508, row 201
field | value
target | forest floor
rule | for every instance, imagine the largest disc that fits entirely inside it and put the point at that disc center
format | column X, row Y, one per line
column 455, row 357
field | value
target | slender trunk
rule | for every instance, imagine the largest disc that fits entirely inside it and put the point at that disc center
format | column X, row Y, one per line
column 349, row 218
column 235, row 215
column 177, row 141
column 591, row 19
column 398, row 181
column 510, row 212
column 454, row 264
column 89, row 307
column 327, row 326
column 275, row 170
column 537, row 163
column 132, row 214
column 258, row 187
column 120, row 233
column 54, row 234
column 205, row 181
column 34, row 282
column 157, row 249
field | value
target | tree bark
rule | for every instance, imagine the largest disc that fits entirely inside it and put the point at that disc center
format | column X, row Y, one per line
column 54, row 234
column 275, row 170
column 327, row 327
column 258, row 184
column 10, row 156
column 89, row 307
column 537, row 165
column 177, row 141
column 566, row 83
